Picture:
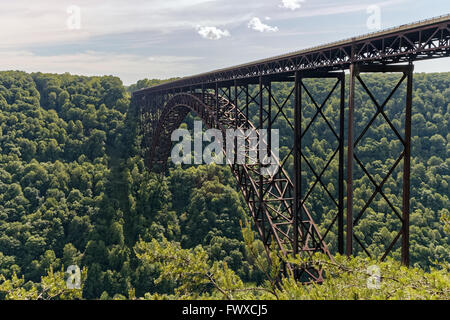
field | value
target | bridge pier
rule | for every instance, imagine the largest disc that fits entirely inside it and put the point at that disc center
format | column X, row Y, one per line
column 301, row 196
column 355, row 78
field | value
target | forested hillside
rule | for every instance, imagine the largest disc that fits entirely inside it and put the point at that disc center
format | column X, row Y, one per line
column 74, row 190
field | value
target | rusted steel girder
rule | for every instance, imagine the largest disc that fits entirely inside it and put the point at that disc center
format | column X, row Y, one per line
column 429, row 39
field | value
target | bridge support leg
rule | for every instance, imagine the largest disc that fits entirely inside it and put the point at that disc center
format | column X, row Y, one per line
column 297, row 167
column 351, row 108
column 405, row 139
column 146, row 109
column 261, row 178
column 407, row 169
column 341, row 168
column 216, row 107
column 301, row 197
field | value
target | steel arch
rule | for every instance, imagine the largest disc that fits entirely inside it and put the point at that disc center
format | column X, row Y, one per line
column 274, row 222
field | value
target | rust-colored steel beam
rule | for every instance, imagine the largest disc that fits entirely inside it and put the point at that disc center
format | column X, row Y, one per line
column 350, row 137
column 407, row 169
column 341, row 168
column 297, row 163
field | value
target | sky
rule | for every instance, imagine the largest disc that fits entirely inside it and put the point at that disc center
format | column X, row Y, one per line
column 139, row 39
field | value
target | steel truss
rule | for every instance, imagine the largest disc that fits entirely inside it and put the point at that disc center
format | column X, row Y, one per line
column 280, row 205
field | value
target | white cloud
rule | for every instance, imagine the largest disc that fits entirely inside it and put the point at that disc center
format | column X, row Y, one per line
column 256, row 24
column 128, row 67
column 212, row 33
column 291, row 4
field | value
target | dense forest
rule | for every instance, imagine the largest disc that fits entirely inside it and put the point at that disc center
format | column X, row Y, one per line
column 75, row 191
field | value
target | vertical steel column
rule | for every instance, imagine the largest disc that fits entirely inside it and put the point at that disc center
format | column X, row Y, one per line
column 297, row 163
column 203, row 93
column 217, row 105
column 341, row 168
column 235, row 105
column 142, row 121
column 261, row 181
column 407, row 169
column 235, row 121
column 246, row 106
column 351, row 107
column 269, row 118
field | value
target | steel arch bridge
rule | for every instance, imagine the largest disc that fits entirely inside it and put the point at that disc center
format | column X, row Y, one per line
column 230, row 98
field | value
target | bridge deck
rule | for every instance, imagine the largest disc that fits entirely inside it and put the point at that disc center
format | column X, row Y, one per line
column 427, row 39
